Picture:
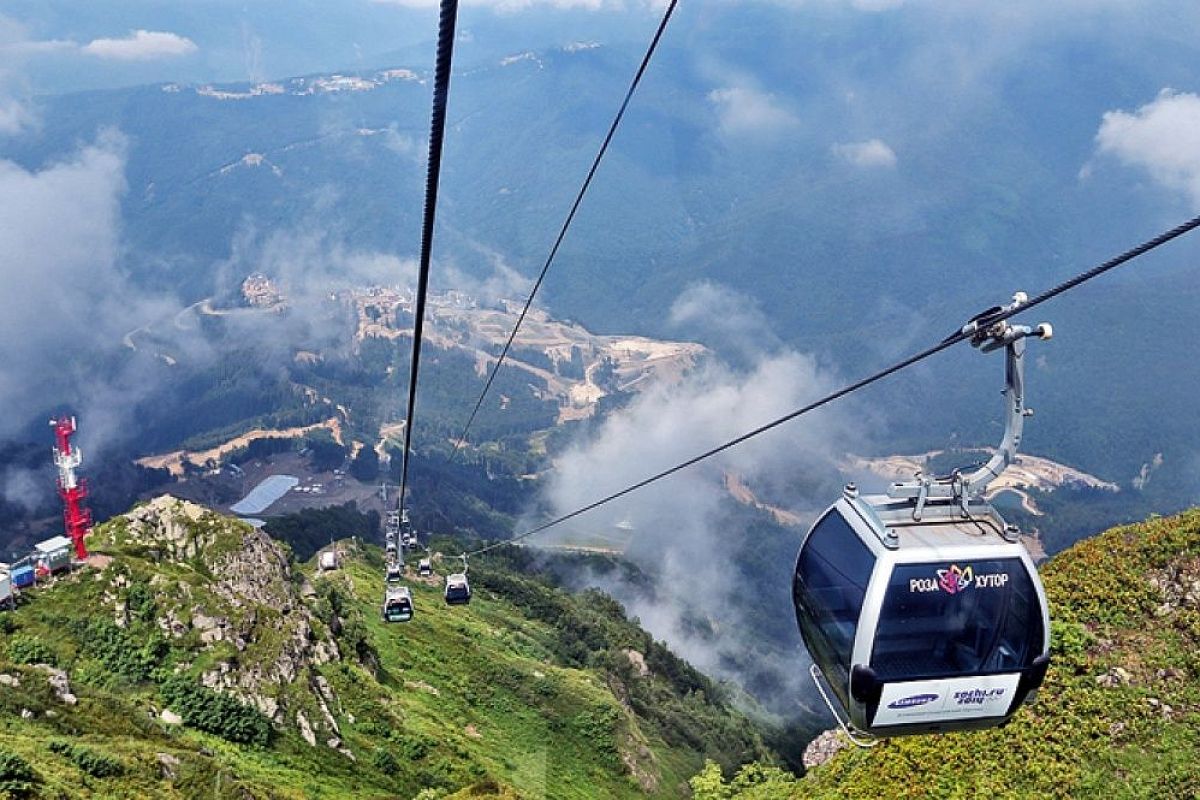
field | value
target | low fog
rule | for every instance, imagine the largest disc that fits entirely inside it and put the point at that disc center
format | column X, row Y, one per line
column 680, row 528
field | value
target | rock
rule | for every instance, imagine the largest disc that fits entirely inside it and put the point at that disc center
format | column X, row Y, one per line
column 823, row 748
column 333, row 743
column 9, row 680
column 167, row 764
column 423, row 686
column 638, row 662
column 170, row 717
column 306, row 730
column 59, row 683
column 51, row 713
column 1153, row 701
column 1117, row 676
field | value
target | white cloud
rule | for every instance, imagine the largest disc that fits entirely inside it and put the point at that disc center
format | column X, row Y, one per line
column 745, row 110
column 876, row 5
column 515, row 5
column 141, row 45
column 14, row 116
column 687, row 514
column 871, row 153
column 65, row 302
column 1161, row 137
column 730, row 318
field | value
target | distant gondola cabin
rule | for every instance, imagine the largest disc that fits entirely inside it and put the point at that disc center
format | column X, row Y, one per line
column 458, row 591
column 397, row 604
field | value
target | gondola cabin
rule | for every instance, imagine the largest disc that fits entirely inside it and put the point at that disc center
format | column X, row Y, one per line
column 394, row 574
column 397, row 604
column 425, row 568
column 921, row 622
column 458, row 591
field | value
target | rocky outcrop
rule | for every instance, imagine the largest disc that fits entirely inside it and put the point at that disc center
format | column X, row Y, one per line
column 824, row 747
column 244, row 596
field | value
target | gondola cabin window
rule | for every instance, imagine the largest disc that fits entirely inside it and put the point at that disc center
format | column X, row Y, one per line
column 951, row 618
column 832, row 575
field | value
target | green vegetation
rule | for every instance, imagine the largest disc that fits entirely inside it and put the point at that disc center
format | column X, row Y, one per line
column 30, row 650
column 211, row 712
column 16, row 776
column 94, row 763
column 1118, row 716
column 289, row 685
column 309, row 530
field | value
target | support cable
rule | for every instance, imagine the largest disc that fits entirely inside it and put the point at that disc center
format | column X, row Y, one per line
column 562, row 233
column 437, row 129
column 980, row 322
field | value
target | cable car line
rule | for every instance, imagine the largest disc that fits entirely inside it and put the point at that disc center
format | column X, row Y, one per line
column 562, row 233
column 980, row 322
column 397, row 598
column 437, row 129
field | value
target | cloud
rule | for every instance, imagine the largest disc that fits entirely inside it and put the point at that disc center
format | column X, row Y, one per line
column 683, row 532
column 141, row 45
column 871, row 153
column 744, row 110
column 733, row 321
column 66, row 303
column 508, row 6
column 15, row 116
column 1162, row 138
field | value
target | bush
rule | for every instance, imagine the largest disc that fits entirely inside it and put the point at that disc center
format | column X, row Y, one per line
column 119, row 652
column 31, row 650
column 216, row 713
column 94, row 763
column 385, row 762
column 16, row 776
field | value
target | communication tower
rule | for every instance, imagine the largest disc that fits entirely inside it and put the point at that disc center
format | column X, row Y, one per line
column 72, row 488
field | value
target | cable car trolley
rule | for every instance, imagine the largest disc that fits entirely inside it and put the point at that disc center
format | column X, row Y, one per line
column 920, row 608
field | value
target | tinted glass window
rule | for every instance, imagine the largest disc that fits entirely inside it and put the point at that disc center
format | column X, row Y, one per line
column 943, row 619
column 831, row 578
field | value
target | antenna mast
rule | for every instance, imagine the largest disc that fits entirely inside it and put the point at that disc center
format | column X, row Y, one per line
column 72, row 489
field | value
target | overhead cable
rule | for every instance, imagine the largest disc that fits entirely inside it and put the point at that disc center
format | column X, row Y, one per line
column 562, row 233
column 962, row 334
column 437, row 129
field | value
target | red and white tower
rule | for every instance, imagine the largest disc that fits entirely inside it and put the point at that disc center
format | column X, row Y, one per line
column 71, row 488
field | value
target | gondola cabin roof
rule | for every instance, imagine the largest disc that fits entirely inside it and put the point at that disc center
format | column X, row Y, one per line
column 887, row 525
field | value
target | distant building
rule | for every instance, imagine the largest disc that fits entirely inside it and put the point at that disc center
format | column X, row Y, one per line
column 54, row 555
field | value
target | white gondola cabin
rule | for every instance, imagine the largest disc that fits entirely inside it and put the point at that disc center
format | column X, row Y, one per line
column 397, row 604
column 920, row 608
column 458, row 590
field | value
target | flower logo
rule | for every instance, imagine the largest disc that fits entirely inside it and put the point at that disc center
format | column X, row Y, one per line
column 955, row 579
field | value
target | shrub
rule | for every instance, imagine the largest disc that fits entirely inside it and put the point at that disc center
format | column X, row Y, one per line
column 119, row 652
column 385, row 762
column 16, row 776
column 31, row 650
column 216, row 713
column 94, row 763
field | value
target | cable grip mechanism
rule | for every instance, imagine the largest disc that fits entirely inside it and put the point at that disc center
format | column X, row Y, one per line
column 986, row 331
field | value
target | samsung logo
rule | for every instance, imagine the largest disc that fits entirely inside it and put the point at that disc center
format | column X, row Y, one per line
column 914, row 700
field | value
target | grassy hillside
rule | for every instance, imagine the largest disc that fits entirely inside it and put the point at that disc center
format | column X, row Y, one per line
column 1118, row 717
column 290, row 686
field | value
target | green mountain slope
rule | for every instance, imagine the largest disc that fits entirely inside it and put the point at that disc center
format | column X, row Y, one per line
column 1118, row 717
column 290, row 686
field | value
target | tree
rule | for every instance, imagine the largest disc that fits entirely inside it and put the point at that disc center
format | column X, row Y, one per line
column 365, row 466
